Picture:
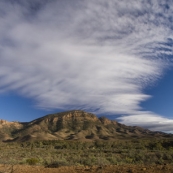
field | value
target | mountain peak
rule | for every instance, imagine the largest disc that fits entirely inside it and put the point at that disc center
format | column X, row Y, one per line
column 72, row 115
column 71, row 125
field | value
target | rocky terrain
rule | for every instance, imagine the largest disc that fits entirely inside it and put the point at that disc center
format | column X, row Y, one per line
column 72, row 125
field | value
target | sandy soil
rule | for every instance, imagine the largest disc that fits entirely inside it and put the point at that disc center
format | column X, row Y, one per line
column 94, row 169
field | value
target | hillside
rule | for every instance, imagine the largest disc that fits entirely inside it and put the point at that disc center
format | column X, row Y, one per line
column 72, row 125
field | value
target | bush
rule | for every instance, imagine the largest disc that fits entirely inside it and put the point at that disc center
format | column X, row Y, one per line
column 89, row 161
column 32, row 161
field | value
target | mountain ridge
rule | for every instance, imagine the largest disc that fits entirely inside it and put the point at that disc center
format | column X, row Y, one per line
column 72, row 125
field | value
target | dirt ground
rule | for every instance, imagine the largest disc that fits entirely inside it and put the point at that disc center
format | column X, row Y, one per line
column 94, row 169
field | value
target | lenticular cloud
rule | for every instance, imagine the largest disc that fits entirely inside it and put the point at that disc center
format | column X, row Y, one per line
column 96, row 56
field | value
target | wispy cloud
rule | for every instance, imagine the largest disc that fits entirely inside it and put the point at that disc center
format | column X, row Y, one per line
column 148, row 120
column 95, row 55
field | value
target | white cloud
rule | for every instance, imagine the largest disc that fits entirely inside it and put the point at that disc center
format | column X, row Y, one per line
column 148, row 120
column 95, row 55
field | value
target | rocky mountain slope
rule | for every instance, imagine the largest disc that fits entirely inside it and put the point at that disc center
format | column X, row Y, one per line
column 72, row 125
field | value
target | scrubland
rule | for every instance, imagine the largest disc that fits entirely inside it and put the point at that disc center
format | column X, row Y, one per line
column 137, row 155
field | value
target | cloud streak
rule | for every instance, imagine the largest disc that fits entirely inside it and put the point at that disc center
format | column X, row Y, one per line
column 96, row 55
column 149, row 120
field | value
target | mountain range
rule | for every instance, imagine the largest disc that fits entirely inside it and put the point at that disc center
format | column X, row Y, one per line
column 72, row 125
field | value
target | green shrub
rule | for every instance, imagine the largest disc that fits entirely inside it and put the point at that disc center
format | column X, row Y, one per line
column 89, row 161
column 32, row 161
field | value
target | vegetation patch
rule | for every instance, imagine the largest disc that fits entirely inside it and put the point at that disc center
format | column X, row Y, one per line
column 100, row 153
column 32, row 161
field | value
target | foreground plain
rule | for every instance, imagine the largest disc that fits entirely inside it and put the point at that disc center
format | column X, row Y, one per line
column 137, row 155
column 93, row 169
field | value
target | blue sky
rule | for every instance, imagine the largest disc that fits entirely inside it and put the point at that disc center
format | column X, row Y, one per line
column 111, row 58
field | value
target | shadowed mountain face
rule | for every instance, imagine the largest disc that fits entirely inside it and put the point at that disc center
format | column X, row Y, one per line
column 72, row 125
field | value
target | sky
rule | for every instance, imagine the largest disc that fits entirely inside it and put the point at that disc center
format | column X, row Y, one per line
column 111, row 58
